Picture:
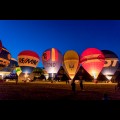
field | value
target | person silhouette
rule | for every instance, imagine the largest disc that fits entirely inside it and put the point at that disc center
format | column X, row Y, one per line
column 81, row 84
column 73, row 86
column 117, row 87
column 16, row 79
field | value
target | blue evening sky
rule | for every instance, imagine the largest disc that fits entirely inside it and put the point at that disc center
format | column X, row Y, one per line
column 39, row 35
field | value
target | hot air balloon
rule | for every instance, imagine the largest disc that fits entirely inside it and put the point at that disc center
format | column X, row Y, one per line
column 18, row 70
column 111, row 64
column 52, row 60
column 11, row 67
column 71, row 63
column 5, row 58
column 92, row 60
column 28, row 60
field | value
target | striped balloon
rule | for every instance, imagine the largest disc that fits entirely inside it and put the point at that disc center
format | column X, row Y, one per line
column 52, row 60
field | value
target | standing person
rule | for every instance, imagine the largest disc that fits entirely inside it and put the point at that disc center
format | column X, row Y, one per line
column 117, row 87
column 73, row 86
column 16, row 79
column 81, row 84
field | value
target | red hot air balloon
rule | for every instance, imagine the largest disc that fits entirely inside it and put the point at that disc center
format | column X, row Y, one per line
column 52, row 60
column 28, row 60
column 92, row 60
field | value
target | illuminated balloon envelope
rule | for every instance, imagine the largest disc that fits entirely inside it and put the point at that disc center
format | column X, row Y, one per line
column 111, row 64
column 5, row 58
column 52, row 60
column 71, row 63
column 18, row 70
column 28, row 60
column 92, row 60
column 11, row 67
column 13, row 63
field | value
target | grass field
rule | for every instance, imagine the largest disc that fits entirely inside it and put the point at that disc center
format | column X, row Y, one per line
column 56, row 91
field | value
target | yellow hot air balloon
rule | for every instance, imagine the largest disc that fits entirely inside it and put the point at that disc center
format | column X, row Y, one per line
column 71, row 63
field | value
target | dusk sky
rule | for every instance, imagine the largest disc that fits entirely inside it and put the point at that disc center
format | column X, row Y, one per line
column 39, row 35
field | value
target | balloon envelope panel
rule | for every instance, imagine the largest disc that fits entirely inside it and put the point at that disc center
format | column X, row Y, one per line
column 111, row 63
column 27, row 69
column 11, row 66
column 52, row 60
column 5, row 58
column 13, row 63
column 92, row 60
column 71, row 63
column 28, row 60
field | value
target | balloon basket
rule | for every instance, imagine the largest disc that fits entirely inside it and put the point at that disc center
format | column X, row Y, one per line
column 52, row 79
column 95, row 81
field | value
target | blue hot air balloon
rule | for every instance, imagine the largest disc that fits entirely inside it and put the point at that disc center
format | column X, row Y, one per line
column 111, row 64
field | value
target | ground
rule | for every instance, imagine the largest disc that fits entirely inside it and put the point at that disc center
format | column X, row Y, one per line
column 56, row 91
